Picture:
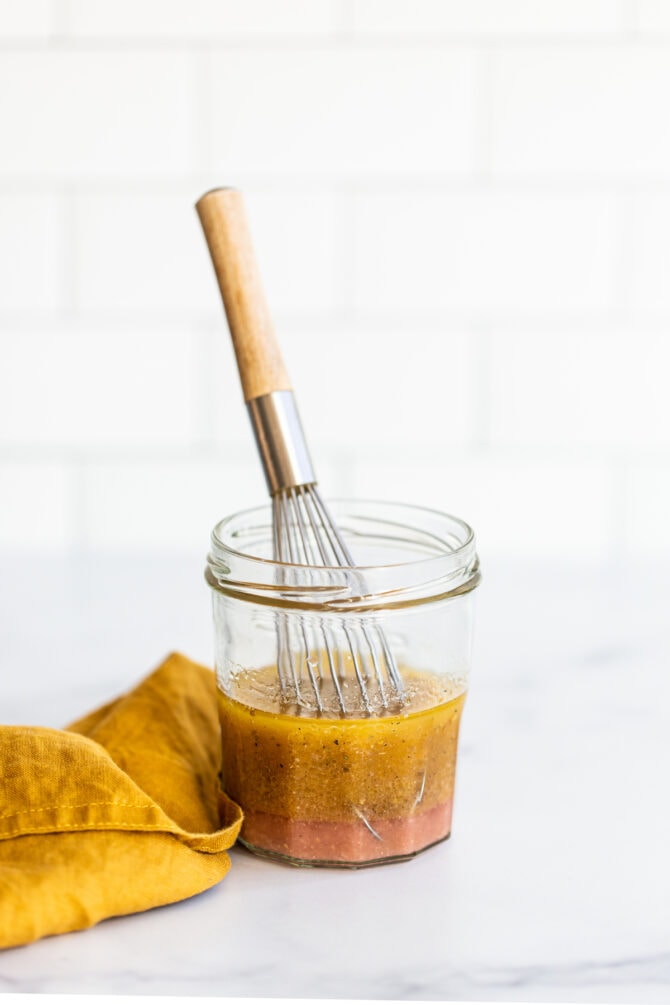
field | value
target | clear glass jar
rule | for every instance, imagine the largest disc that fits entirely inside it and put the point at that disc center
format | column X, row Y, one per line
column 372, row 784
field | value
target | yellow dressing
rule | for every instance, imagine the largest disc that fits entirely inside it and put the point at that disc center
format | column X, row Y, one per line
column 322, row 771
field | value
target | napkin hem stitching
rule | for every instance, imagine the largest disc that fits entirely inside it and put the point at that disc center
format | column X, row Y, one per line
column 65, row 828
column 75, row 806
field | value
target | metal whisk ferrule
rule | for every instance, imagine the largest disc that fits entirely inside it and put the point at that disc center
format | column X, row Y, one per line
column 280, row 440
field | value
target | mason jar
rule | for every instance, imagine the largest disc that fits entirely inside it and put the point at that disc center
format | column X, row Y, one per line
column 341, row 689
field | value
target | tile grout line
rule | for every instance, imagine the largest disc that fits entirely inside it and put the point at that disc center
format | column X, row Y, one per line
column 156, row 321
column 624, row 260
column 343, row 20
column 344, row 273
column 59, row 17
column 630, row 19
column 205, row 386
column 391, row 184
column 332, row 40
column 483, row 114
column 621, row 511
column 481, row 389
column 77, row 534
column 70, row 261
column 202, row 112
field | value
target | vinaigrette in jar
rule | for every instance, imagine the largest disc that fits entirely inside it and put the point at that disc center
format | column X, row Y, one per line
column 317, row 788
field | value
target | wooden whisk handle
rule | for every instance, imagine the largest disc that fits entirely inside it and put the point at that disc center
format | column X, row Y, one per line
column 259, row 360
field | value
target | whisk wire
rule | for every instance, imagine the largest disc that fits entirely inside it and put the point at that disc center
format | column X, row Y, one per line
column 286, row 550
column 312, row 656
column 311, row 543
column 306, row 535
column 345, row 558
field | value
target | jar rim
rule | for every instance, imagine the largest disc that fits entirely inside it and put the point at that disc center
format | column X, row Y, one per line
column 463, row 548
column 448, row 567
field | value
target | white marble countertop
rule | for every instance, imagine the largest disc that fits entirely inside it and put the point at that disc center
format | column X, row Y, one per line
column 555, row 885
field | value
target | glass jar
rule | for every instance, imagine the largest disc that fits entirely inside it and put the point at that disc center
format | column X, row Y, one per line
column 331, row 764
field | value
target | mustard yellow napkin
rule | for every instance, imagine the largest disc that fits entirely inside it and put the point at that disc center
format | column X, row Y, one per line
column 119, row 813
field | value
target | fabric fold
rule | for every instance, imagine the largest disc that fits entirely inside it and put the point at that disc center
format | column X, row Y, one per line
column 119, row 813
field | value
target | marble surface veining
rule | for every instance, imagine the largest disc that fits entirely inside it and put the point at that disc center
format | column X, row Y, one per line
column 555, row 885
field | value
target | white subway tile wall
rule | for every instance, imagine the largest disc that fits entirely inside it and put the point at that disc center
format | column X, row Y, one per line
column 485, row 253
column 140, row 252
column 36, row 505
column 32, row 250
column 98, row 389
column 344, row 112
column 73, row 114
column 603, row 390
column 462, row 215
column 586, row 111
column 200, row 19
column 487, row 17
column 30, row 19
column 654, row 15
column 650, row 246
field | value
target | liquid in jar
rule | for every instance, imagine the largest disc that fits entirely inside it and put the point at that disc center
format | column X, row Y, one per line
column 348, row 791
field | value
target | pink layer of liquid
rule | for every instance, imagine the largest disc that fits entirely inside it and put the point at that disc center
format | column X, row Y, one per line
column 346, row 841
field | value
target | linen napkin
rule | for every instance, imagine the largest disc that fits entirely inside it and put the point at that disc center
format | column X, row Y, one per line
column 120, row 812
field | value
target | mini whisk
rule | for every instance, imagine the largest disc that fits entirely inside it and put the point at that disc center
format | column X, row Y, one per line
column 304, row 532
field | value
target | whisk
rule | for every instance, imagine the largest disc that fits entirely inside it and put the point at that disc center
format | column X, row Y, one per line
column 324, row 659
